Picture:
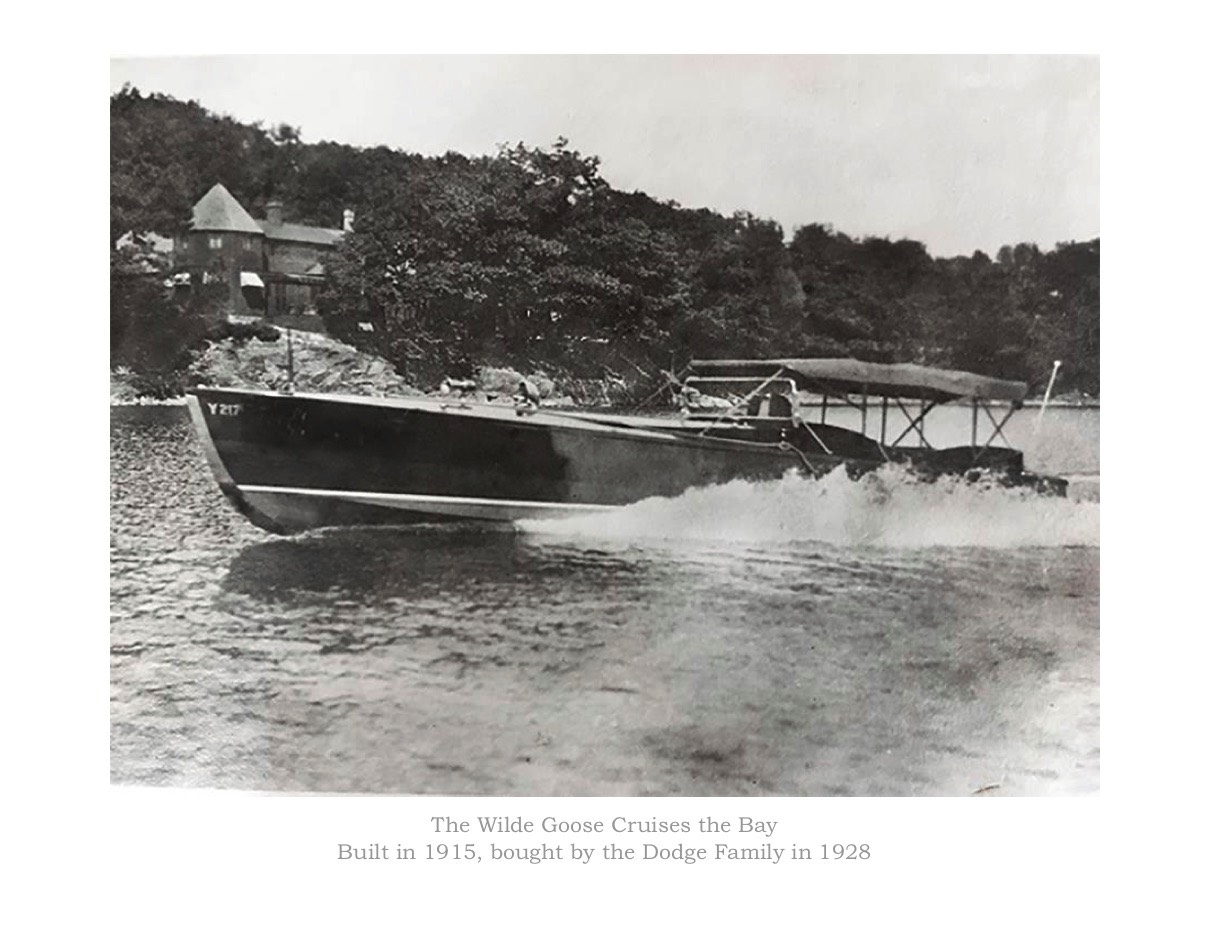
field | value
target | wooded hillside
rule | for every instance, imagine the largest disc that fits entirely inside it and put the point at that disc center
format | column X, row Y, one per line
column 531, row 258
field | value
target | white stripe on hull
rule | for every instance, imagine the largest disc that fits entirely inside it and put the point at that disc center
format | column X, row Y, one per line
column 466, row 507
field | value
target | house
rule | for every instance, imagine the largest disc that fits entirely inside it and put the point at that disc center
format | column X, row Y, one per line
column 144, row 254
column 270, row 267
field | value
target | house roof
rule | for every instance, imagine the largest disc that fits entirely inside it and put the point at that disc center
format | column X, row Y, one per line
column 218, row 210
column 149, row 239
column 300, row 233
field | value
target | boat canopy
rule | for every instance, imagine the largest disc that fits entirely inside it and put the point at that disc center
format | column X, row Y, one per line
column 845, row 376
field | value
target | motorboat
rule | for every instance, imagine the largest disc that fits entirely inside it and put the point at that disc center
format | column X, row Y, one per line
column 293, row 461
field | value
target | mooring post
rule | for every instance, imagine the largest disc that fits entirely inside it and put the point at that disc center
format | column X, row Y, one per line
column 289, row 359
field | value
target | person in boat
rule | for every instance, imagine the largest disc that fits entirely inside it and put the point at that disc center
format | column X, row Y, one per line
column 771, row 405
column 527, row 396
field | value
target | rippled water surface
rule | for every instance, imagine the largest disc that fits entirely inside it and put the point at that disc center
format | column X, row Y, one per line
column 791, row 638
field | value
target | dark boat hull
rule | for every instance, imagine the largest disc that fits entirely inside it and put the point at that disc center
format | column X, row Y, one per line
column 295, row 462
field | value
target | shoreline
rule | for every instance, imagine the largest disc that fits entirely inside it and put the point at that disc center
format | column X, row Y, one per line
column 327, row 366
column 1027, row 404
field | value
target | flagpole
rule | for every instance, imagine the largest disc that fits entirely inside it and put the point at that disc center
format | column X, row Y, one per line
column 1046, row 398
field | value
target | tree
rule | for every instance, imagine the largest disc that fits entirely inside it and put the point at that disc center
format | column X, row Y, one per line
column 152, row 333
column 529, row 257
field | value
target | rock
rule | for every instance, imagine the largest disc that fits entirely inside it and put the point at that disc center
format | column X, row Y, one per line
column 497, row 379
column 322, row 364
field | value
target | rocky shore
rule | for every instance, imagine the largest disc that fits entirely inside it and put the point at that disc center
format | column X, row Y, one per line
column 322, row 364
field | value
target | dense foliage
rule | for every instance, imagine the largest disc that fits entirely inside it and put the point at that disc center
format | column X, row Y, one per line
column 156, row 335
column 530, row 258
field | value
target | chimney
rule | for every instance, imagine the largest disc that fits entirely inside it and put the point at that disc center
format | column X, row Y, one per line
column 348, row 220
column 273, row 213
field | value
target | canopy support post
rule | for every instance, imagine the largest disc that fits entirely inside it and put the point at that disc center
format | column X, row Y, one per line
column 915, row 424
column 997, row 431
column 818, row 440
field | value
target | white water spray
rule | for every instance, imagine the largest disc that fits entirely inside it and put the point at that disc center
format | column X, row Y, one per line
column 888, row 508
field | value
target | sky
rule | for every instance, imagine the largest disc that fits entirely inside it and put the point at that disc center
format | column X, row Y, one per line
column 959, row 152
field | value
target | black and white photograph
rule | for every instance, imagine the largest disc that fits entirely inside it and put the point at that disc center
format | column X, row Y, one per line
column 710, row 426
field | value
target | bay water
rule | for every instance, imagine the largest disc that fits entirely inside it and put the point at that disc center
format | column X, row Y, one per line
column 796, row 637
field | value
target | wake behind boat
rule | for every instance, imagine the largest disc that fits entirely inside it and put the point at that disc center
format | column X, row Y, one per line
column 292, row 462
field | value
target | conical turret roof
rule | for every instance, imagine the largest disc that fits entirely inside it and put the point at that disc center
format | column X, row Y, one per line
column 218, row 210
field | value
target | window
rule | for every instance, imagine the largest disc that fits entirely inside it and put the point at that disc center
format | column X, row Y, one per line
column 216, row 243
